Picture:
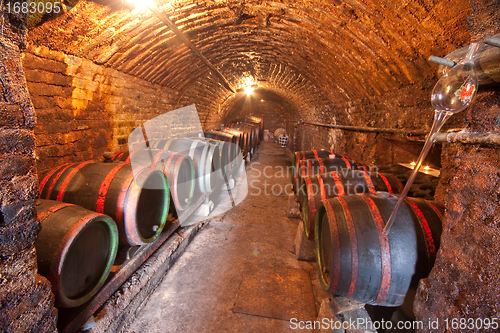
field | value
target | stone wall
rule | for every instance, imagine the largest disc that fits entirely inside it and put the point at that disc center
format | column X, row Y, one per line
column 464, row 281
column 26, row 301
column 84, row 109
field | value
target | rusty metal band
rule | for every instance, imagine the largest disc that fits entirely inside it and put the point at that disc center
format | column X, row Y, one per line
column 354, row 247
column 42, row 216
column 321, row 187
column 362, row 167
column 64, row 185
column 385, row 250
column 103, row 190
column 156, row 158
column 347, row 163
column 396, row 180
column 130, row 156
column 56, row 178
column 431, row 246
column 311, row 205
column 122, row 196
column 438, row 212
column 369, row 182
column 335, row 238
column 321, row 166
column 386, row 182
column 301, row 165
column 338, row 184
column 117, row 155
column 46, row 178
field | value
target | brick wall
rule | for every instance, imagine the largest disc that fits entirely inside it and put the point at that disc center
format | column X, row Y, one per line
column 26, row 302
column 84, row 109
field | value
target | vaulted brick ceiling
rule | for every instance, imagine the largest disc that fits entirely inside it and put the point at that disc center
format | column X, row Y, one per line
column 312, row 52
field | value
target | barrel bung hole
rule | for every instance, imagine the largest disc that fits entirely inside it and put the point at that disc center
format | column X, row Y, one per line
column 152, row 205
column 86, row 260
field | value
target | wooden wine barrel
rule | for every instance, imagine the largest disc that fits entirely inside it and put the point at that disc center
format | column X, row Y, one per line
column 322, row 165
column 252, row 139
column 226, row 162
column 355, row 259
column 138, row 203
column 308, row 154
column 260, row 123
column 177, row 167
column 75, row 249
column 242, row 139
column 205, row 156
column 338, row 184
column 233, row 140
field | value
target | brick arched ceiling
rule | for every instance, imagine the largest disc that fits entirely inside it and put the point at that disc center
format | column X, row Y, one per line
column 315, row 53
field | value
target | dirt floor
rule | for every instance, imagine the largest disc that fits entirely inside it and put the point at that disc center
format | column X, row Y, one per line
column 240, row 274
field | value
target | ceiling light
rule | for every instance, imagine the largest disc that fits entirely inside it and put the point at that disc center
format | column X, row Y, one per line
column 248, row 90
column 140, row 3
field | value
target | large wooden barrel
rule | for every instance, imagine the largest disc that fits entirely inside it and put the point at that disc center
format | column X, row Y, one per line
column 355, row 259
column 226, row 164
column 308, row 154
column 338, row 184
column 243, row 140
column 205, row 156
column 234, row 141
column 75, row 249
column 315, row 166
column 260, row 123
column 137, row 200
column 252, row 138
column 177, row 167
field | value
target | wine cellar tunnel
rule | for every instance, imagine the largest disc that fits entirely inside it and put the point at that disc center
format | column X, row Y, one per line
column 351, row 77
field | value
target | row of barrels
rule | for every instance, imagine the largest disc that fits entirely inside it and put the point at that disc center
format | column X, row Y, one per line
column 249, row 131
column 344, row 210
column 87, row 210
column 91, row 208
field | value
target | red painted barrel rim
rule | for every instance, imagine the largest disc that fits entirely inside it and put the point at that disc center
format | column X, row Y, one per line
column 335, row 239
column 354, row 246
column 429, row 239
column 385, row 250
column 386, row 182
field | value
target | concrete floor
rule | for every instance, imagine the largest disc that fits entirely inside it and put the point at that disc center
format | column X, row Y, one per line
column 200, row 292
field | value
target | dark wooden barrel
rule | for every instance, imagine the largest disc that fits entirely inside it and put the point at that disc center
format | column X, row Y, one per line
column 226, row 164
column 260, row 123
column 236, row 157
column 252, row 138
column 308, row 154
column 177, row 167
column 242, row 139
column 355, row 259
column 315, row 166
column 138, row 200
column 338, row 184
column 75, row 249
column 205, row 156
